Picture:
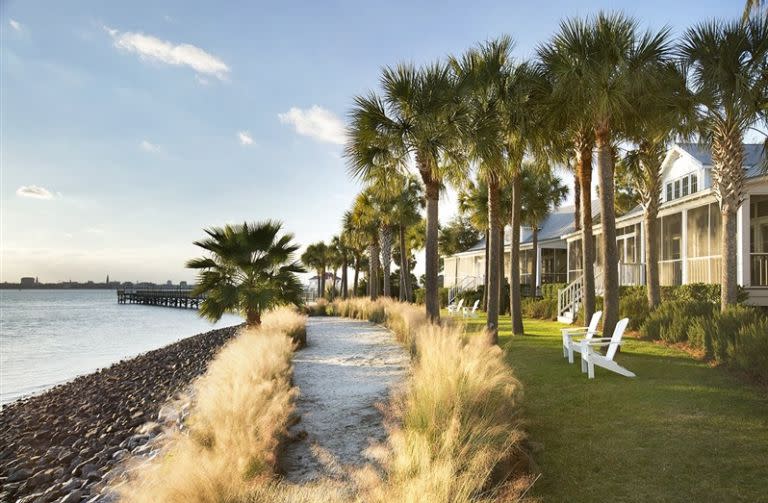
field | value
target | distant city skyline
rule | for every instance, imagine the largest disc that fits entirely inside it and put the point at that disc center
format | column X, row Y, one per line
column 127, row 128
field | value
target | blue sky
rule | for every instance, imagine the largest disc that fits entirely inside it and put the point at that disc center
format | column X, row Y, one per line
column 127, row 127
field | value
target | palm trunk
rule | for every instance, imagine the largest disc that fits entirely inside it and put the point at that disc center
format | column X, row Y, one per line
column 494, row 283
column 608, row 237
column 577, row 202
column 584, row 172
column 252, row 318
column 385, row 238
column 432, row 260
column 728, row 184
column 728, row 287
column 536, row 272
column 485, row 276
column 652, row 254
column 322, row 281
column 344, row 277
column 404, row 271
column 355, row 282
column 319, row 283
column 373, row 279
column 515, row 301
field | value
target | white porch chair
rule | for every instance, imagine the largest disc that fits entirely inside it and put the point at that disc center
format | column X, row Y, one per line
column 570, row 345
column 471, row 312
column 590, row 357
column 455, row 308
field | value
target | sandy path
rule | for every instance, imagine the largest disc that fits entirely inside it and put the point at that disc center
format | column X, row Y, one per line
column 347, row 367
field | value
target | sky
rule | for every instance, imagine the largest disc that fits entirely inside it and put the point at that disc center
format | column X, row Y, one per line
column 128, row 127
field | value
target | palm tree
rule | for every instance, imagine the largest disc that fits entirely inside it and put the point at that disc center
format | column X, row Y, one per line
column 336, row 260
column 606, row 59
column 339, row 243
column 248, row 270
column 316, row 257
column 356, row 244
column 406, row 211
column 664, row 110
column 365, row 218
column 753, row 6
column 497, row 91
column 727, row 70
column 473, row 203
column 542, row 192
column 419, row 116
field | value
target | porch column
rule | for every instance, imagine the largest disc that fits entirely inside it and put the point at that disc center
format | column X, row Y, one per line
column 641, row 257
column 684, row 246
column 537, row 267
column 742, row 244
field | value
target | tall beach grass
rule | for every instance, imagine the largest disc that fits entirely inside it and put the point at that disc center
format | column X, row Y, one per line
column 240, row 411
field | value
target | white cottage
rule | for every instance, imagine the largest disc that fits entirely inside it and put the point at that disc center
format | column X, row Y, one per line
column 689, row 235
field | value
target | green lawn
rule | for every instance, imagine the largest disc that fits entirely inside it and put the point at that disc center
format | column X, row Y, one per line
column 680, row 431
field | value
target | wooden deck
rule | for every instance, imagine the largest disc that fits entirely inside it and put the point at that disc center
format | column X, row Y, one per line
column 159, row 296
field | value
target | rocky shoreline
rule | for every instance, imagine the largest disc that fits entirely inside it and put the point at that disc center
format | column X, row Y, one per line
column 60, row 446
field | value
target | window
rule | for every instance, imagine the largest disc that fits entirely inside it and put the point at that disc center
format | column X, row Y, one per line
column 694, row 183
column 669, row 192
column 685, row 186
column 677, row 189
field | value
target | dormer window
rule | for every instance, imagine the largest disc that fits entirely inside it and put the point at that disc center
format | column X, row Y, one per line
column 681, row 187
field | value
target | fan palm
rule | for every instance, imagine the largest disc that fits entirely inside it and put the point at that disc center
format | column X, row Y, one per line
column 248, row 270
column 542, row 192
column 600, row 64
column 727, row 66
column 365, row 218
column 316, row 256
column 664, row 110
column 355, row 241
column 419, row 116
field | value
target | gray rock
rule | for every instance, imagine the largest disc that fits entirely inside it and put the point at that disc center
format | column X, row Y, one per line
column 19, row 475
column 73, row 497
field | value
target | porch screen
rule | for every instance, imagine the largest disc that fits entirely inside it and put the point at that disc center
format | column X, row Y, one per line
column 758, row 240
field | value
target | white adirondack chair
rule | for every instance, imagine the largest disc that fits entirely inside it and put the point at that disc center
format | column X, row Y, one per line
column 570, row 345
column 455, row 308
column 471, row 312
column 590, row 357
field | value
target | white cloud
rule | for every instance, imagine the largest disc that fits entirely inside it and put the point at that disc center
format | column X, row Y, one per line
column 153, row 49
column 245, row 138
column 148, row 146
column 317, row 123
column 15, row 24
column 34, row 192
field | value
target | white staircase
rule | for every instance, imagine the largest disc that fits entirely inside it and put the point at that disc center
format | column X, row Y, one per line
column 569, row 300
column 464, row 283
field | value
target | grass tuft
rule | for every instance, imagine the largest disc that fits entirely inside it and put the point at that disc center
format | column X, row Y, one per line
column 240, row 410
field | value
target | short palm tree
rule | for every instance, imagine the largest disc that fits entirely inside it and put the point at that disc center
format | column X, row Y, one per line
column 727, row 67
column 418, row 116
column 316, row 256
column 248, row 270
column 542, row 193
column 664, row 110
column 355, row 241
column 364, row 217
column 606, row 59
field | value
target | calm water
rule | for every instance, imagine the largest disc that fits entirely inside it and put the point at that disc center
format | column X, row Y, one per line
column 50, row 336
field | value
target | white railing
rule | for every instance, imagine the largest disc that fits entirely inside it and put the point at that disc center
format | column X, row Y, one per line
column 671, row 272
column 703, row 269
column 631, row 274
column 759, row 269
column 569, row 298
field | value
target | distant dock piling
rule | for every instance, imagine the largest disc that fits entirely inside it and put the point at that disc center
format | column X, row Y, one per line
column 157, row 296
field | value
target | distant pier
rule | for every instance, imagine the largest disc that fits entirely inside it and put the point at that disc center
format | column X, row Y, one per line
column 158, row 296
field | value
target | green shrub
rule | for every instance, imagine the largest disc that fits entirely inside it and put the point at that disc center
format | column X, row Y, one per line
column 551, row 290
column 716, row 335
column 542, row 309
column 421, row 293
column 633, row 304
column 672, row 320
column 750, row 351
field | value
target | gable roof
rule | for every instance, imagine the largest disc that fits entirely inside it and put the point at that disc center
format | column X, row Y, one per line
column 754, row 156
